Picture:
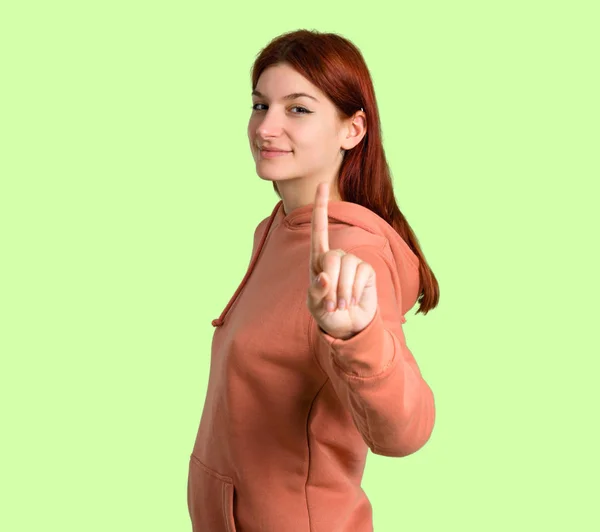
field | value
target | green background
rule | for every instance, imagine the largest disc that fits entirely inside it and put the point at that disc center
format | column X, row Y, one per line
column 128, row 203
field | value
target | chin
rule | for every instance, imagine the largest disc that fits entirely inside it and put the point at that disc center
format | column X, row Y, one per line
column 270, row 174
column 278, row 177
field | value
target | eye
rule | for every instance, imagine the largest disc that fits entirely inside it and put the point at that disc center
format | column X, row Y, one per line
column 304, row 111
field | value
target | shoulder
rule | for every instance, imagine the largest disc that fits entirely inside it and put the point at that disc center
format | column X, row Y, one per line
column 352, row 237
column 261, row 227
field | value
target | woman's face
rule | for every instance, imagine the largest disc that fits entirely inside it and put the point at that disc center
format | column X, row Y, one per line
column 309, row 130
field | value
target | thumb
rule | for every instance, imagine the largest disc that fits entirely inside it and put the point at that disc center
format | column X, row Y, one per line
column 321, row 282
column 319, row 288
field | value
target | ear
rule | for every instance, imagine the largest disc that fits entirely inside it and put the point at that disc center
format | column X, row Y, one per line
column 354, row 130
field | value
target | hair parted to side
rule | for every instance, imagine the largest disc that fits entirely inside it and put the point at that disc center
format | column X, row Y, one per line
column 336, row 66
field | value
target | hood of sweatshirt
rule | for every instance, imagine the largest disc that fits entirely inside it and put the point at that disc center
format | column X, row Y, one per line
column 405, row 263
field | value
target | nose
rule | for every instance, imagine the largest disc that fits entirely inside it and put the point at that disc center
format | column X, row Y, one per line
column 269, row 124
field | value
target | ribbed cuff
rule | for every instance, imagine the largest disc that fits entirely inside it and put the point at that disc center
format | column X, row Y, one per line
column 367, row 354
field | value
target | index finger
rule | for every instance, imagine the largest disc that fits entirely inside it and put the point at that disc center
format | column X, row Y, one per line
column 319, row 236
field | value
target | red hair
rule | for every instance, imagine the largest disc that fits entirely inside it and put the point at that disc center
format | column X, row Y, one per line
column 336, row 66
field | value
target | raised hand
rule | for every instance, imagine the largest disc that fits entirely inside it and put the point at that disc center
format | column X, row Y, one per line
column 338, row 278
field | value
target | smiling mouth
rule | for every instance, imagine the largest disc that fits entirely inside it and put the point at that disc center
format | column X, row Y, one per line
column 272, row 154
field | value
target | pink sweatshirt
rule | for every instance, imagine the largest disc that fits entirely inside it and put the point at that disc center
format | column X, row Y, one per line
column 290, row 412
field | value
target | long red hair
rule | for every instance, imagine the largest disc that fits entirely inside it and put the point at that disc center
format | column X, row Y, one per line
column 336, row 66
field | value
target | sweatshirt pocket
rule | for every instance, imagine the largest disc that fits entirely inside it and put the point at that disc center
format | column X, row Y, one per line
column 210, row 498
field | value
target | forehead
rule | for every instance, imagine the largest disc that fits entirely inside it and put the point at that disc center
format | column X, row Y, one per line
column 283, row 82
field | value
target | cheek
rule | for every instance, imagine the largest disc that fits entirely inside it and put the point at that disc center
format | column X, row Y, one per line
column 310, row 138
column 317, row 141
column 253, row 122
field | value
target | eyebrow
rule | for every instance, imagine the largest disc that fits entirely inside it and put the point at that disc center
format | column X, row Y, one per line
column 292, row 96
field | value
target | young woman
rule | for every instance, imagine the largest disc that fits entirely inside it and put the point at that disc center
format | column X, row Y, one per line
column 298, row 390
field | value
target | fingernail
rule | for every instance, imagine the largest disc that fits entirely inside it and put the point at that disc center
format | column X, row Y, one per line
column 341, row 303
column 353, row 301
column 330, row 306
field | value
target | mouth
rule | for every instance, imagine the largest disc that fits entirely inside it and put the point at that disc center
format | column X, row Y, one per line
column 269, row 154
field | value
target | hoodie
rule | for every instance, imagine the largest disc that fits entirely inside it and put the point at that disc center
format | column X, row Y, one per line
column 290, row 412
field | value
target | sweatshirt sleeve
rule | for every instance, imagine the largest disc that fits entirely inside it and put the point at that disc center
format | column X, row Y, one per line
column 375, row 374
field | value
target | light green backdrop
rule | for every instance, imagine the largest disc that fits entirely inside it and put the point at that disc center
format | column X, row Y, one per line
column 128, row 203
